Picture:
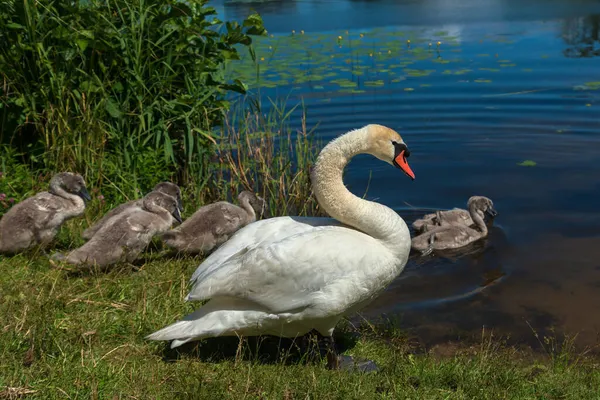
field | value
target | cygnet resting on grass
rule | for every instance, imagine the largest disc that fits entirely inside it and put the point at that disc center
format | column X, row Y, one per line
column 164, row 187
column 126, row 235
column 213, row 224
column 37, row 220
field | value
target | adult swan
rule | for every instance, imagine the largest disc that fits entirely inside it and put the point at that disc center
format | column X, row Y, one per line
column 287, row 276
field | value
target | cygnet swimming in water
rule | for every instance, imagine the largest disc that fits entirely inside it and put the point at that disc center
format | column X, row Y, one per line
column 454, row 236
column 37, row 220
column 456, row 216
column 213, row 224
column 164, row 187
column 126, row 235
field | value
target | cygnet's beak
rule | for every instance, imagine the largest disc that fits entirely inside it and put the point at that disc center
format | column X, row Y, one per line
column 177, row 215
column 83, row 193
column 491, row 211
column 179, row 204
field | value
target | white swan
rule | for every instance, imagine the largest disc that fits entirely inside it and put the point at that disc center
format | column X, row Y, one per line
column 287, row 276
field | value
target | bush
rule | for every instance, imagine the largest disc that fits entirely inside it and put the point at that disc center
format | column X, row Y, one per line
column 109, row 88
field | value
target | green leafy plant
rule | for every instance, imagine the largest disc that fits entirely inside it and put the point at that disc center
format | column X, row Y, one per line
column 126, row 78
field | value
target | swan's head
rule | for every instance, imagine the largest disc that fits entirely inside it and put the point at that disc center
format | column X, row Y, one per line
column 257, row 203
column 387, row 145
column 164, row 201
column 72, row 183
column 482, row 205
column 172, row 190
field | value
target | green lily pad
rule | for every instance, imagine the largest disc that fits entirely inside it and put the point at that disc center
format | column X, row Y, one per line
column 378, row 82
column 490, row 69
column 527, row 163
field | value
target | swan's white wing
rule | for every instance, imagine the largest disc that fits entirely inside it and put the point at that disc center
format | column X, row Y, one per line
column 256, row 233
column 329, row 268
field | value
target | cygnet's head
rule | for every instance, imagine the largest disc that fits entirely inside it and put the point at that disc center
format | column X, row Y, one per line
column 162, row 200
column 387, row 145
column 71, row 183
column 257, row 203
column 482, row 205
column 172, row 190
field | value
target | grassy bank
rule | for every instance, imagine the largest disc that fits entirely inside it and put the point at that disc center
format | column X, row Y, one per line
column 68, row 336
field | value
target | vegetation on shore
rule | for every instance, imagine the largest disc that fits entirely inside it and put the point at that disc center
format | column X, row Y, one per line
column 122, row 91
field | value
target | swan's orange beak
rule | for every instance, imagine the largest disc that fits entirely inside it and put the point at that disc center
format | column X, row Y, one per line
column 400, row 162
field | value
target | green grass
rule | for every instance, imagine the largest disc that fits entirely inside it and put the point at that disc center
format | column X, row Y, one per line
column 82, row 336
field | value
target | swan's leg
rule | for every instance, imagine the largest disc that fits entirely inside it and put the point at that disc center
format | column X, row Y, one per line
column 429, row 249
column 345, row 363
column 310, row 345
column 333, row 360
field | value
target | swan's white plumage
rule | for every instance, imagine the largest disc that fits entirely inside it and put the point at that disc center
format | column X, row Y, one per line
column 288, row 275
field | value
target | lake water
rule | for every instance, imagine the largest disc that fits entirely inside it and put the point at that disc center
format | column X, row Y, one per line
column 506, row 106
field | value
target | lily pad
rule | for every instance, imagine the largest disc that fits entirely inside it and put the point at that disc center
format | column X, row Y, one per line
column 490, row 69
column 418, row 72
column 527, row 163
column 378, row 82
column 588, row 86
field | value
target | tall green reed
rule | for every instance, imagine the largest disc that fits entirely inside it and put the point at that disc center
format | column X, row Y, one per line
column 102, row 86
column 268, row 153
column 265, row 153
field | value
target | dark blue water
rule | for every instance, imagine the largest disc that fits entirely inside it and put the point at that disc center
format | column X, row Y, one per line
column 510, row 81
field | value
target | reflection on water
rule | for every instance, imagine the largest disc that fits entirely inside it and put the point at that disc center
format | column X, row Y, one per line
column 582, row 35
column 506, row 107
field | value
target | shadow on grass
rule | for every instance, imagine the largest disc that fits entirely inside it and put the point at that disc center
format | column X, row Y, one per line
column 261, row 349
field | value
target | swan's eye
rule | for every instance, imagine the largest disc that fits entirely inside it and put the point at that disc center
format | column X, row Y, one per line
column 399, row 147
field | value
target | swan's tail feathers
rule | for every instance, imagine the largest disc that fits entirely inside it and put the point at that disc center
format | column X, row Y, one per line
column 218, row 317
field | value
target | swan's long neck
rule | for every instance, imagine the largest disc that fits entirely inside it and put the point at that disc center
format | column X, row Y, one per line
column 56, row 188
column 479, row 222
column 372, row 218
column 154, row 208
column 245, row 204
